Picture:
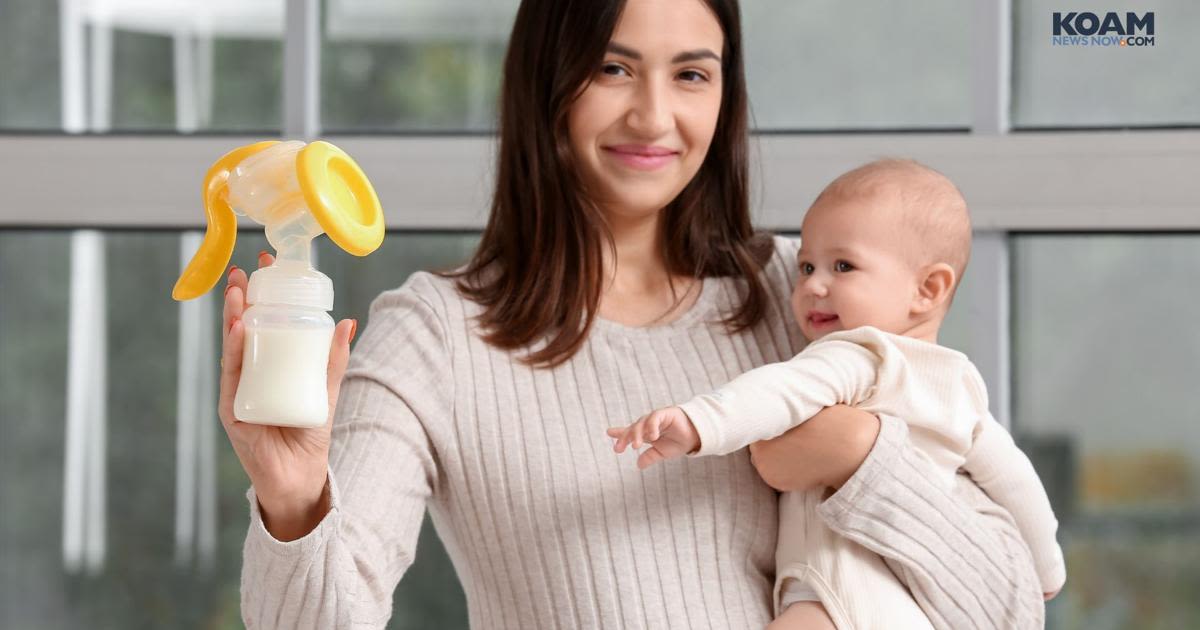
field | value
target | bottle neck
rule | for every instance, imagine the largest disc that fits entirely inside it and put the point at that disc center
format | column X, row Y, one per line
column 292, row 237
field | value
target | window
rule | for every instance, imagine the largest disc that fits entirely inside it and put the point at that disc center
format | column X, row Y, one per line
column 1105, row 349
column 137, row 527
column 1106, row 86
column 126, row 507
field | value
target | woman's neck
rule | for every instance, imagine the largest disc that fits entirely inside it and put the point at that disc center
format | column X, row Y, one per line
column 639, row 289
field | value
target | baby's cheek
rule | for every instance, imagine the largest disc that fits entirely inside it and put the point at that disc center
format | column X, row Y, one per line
column 797, row 303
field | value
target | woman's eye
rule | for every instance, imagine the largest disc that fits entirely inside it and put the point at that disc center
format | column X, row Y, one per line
column 842, row 266
column 807, row 268
column 612, row 69
column 692, row 76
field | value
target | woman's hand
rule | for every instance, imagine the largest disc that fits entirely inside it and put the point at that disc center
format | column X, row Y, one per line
column 287, row 465
column 823, row 452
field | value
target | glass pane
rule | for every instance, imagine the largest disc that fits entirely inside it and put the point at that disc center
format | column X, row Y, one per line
column 172, row 66
column 413, row 66
column 436, row 65
column 825, row 64
column 1105, row 355
column 142, row 583
column 1102, row 83
column 29, row 65
column 34, row 271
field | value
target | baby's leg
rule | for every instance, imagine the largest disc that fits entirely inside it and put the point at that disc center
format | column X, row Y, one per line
column 803, row 616
column 856, row 587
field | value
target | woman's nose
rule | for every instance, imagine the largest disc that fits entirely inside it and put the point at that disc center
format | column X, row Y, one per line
column 651, row 115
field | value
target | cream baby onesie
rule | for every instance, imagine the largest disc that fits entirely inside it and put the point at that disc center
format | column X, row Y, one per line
column 939, row 393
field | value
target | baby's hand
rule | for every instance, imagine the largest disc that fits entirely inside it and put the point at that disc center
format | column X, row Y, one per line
column 669, row 432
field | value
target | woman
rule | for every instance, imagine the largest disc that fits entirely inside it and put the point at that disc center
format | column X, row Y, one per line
column 618, row 272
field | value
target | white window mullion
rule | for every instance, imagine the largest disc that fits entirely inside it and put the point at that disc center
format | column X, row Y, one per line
column 991, row 66
column 206, row 434
column 100, row 75
column 187, row 402
column 196, row 420
column 72, row 60
column 186, row 101
column 97, row 433
column 302, row 70
column 84, row 461
column 204, row 79
column 988, row 304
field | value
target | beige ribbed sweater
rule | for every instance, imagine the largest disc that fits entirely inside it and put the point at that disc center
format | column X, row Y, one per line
column 548, row 528
column 942, row 398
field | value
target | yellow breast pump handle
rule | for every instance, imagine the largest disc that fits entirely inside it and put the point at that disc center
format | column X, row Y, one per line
column 334, row 189
column 207, row 266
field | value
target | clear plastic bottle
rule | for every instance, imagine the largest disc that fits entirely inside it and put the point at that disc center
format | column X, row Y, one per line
column 284, row 364
column 288, row 329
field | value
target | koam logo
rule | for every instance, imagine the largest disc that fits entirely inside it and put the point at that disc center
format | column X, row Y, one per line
column 1089, row 29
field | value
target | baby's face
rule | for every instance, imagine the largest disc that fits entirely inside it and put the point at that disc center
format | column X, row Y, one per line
column 853, row 271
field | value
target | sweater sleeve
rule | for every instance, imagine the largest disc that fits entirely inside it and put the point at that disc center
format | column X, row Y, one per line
column 959, row 553
column 773, row 398
column 1008, row 477
column 382, row 470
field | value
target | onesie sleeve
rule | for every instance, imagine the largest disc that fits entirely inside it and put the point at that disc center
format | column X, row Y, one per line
column 960, row 554
column 768, row 400
column 1008, row 477
column 382, row 471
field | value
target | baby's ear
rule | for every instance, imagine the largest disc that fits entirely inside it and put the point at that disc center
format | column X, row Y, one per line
column 935, row 287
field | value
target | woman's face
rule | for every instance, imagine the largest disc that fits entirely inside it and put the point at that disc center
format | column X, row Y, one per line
column 641, row 128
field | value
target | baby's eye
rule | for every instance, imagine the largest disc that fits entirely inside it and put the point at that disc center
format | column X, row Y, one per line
column 842, row 266
column 806, row 269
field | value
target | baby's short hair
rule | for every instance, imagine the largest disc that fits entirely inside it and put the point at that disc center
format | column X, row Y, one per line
column 932, row 207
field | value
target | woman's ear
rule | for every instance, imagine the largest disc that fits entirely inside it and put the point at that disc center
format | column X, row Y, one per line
column 935, row 287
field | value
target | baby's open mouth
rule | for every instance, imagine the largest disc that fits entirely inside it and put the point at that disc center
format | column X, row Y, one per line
column 817, row 318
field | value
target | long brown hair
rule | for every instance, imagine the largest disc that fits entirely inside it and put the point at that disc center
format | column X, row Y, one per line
column 538, row 271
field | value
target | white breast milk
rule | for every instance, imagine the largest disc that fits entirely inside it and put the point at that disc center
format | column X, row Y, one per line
column 283, row 379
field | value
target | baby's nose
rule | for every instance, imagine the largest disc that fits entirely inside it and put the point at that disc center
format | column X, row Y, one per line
column 815, row 286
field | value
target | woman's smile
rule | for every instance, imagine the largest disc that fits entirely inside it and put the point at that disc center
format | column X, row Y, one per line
column 641, row 157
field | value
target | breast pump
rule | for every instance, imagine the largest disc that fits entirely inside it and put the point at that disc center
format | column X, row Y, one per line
column 297, row 191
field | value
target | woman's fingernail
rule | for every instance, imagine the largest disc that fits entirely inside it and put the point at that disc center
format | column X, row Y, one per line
column 227, row 289
column 231, row 270
column 353, row 329
column 262, row 253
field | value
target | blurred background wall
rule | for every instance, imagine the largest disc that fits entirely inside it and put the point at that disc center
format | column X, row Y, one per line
column 121, row 504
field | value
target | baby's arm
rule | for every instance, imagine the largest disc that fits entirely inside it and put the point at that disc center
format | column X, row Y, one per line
column 1006, row 474
column 771, row 399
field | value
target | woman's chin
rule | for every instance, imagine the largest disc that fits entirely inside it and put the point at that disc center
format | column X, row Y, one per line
column 636, row 208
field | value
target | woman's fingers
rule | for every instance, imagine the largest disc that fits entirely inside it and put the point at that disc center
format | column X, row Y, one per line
column 231, row 371
column 228, row 313
column 339, row 357
column 237, row 278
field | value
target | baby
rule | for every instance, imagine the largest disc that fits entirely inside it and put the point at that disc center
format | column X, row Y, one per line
column 882, row 251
